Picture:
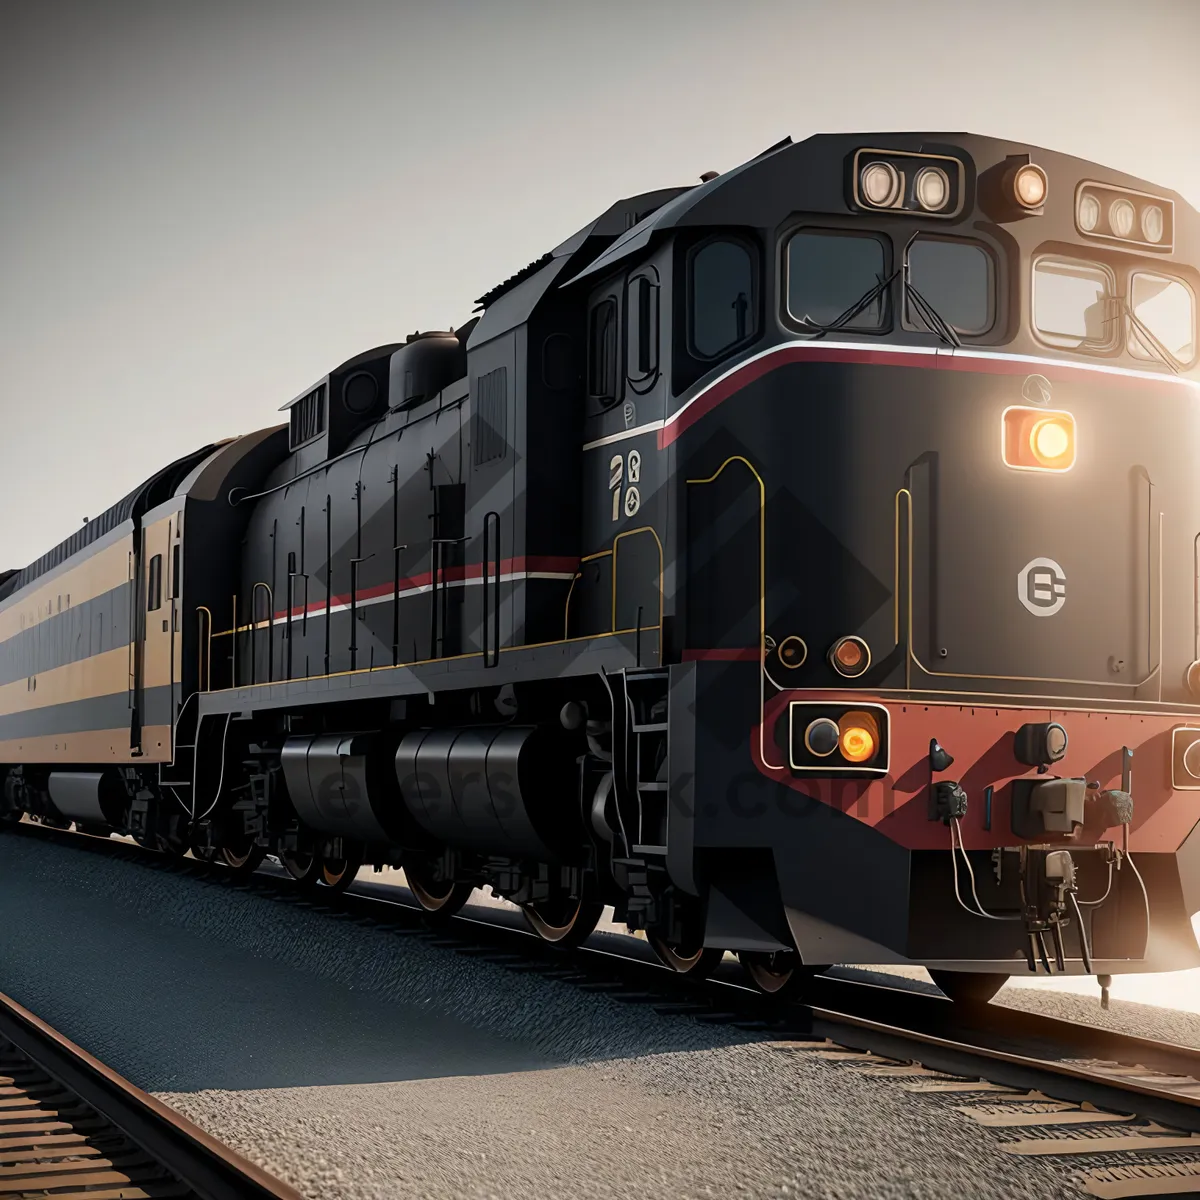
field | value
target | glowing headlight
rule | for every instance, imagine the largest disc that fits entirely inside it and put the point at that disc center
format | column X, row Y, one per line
column 859, row 737
column 880, row 184
column 1088, row 215
column 1050, row 441
column 1038, row 440
column 1120, row 217
column 932, row 188
column 1030, row 186
column 1152, row 223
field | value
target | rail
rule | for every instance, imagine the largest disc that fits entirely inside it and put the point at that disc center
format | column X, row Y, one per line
column 72, row 1124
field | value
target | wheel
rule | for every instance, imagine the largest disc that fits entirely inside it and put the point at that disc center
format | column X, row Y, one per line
column 695, row 961
column 968, row 987
column 304, row 866
column 242, row 859
column 440, row 899
column 563, row 920
column 779, row 974
column 337, row 874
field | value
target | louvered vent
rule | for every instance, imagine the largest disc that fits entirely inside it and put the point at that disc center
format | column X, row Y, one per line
column 308, row 417
column 490, row 435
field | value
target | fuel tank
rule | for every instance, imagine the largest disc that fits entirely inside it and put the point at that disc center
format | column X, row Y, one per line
column 503, row 790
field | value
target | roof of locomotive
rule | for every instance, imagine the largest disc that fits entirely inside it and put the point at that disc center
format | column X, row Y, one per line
column 810, row 175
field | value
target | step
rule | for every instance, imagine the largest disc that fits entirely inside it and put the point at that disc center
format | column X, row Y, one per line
column 649, row 849
column 660, row 727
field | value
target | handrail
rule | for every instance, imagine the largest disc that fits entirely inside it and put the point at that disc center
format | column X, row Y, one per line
column 491, row 616
column 270, row 632
column 204, row 650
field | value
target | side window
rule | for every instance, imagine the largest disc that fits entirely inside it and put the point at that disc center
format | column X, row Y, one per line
column 641, row 329
column 154, row 584
column 175, row 571
column 958, row 281
column 722, row 308
column 602, row 351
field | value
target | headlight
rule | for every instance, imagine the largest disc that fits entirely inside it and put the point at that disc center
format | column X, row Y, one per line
column 1030, row 186
column 831, row 739
column 1120, row 217
column 822, row 737
column 1152, row 223
column 1035, row 439
column 932, row 188
column 850, row 656
column 859, row 737
column 1050, row 441
column 1088, row 215
column 880, row 184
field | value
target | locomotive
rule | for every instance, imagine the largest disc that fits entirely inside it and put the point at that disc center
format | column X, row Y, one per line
column 805, row 562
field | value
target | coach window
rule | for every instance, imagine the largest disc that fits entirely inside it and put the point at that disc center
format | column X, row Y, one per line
column 958, row 281
column 1072, row 304
column 830, row 278
column 602, row 351
column 154, row 584
column 722, row 308
column 1164, row 312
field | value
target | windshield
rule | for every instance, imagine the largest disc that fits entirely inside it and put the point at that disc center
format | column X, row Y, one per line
column 1165, row 309
column 828, row 273
column 955, row 277
column 1069, row 302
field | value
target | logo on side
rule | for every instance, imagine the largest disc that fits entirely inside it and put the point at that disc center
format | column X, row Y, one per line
column 1042, row 587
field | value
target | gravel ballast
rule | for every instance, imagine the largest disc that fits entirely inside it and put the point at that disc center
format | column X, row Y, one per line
column 355, row 1063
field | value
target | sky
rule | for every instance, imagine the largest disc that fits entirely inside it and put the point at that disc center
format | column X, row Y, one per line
column 204, row 207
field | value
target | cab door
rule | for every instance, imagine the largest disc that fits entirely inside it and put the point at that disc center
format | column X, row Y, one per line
column 157, row 658
column 620, row 577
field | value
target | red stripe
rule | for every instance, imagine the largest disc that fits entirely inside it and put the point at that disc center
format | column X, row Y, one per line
column 740, row 654
column 815, row 352
column 556, row 564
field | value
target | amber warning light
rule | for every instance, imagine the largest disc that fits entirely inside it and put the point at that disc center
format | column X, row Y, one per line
column 1034, row 439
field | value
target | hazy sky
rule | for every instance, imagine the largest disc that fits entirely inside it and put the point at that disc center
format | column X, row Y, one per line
column 204, row 206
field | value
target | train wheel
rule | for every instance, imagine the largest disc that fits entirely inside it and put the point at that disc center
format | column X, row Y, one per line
column 968, row 987
column 439, row 898
column 562, row 920
column 243, row 860
column 693, row 960
column 304, row 866
column 337, row 874
column 779, row 974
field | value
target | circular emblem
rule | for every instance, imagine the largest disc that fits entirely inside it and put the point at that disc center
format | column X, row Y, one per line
column 1042, row 587
column 633, row 502
column 1036, row 390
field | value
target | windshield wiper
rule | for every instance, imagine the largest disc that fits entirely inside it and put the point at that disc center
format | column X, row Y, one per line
column 863, row 302
column 1148, row 339
column 933, row 319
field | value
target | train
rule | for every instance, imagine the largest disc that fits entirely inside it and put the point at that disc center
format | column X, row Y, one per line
column 804, row 562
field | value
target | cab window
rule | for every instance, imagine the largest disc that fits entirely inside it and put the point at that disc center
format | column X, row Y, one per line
column 1072, row 303
column 602, row 351
column 1165, row 311
column 829, row 273
column 957, row 279
column 722, row 309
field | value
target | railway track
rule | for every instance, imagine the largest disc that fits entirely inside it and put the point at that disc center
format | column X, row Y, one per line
column 72, row 1129
column 1123, row 1111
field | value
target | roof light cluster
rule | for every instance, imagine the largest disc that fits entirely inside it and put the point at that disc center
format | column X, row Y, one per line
column 929, row 184
column 1118, row 215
